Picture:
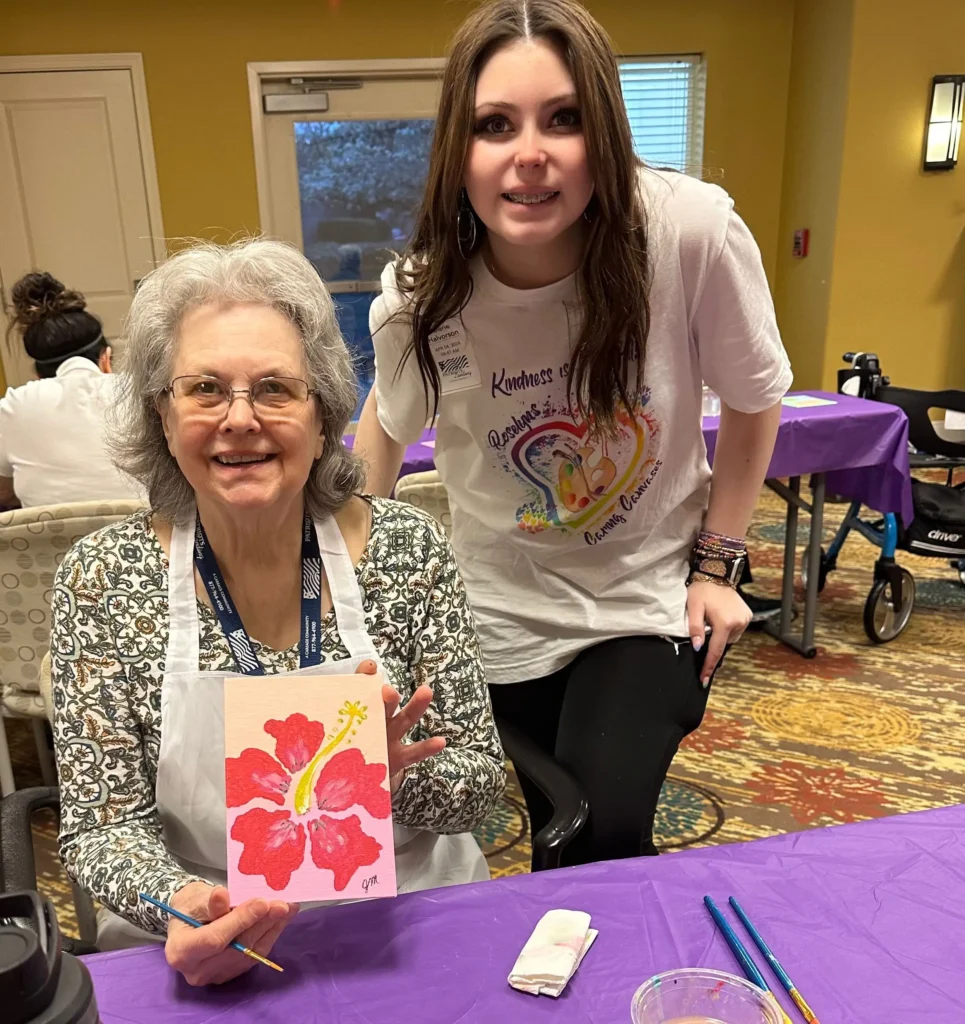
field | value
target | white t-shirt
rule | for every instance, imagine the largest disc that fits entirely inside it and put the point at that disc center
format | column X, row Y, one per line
column 52, row 438
column 566, row 540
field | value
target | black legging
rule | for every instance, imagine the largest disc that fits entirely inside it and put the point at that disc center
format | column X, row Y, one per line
column 614, row 717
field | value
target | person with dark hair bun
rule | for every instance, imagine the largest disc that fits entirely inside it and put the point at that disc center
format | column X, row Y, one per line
column 56, row 325
column 52, row 446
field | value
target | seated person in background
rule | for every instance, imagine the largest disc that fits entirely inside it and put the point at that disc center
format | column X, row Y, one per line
column 52, row 447
column 238, row 390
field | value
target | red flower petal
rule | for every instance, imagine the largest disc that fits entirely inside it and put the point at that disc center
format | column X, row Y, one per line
column 298, row 740
column 341, row 846
column 274, row 845
column 254, row 774
column 346, row 780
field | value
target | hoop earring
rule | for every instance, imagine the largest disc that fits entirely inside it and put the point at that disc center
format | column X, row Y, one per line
column 466, row 236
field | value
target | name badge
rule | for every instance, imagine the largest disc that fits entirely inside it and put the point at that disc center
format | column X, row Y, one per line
column 452, row 352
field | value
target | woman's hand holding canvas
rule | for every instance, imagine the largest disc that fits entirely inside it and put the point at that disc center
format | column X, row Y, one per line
column 398, row 724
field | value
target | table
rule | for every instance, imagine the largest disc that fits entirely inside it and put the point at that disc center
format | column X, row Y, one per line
column 869, row 920
column 860, row 446
column 854, row 447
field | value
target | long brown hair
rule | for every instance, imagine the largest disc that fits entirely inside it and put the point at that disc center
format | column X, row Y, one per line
column 613, row 279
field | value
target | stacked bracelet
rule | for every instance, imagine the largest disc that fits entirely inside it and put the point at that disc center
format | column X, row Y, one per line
column 717, row 558
column 721, row 542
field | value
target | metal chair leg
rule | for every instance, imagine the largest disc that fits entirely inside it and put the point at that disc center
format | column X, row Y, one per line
column 47, row 767
column 7, row 785
column 86, row 915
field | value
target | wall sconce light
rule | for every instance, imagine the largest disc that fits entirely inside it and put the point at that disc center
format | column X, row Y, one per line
column 943, row 131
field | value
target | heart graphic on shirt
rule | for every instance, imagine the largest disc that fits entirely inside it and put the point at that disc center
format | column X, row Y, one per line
column 577, row 474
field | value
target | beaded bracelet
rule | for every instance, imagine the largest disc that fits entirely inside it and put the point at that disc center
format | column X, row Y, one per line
column 717, row 558
column 703, row 577
column 719, row 542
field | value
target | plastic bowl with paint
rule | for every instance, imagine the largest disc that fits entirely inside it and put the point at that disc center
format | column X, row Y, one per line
column 693, row 995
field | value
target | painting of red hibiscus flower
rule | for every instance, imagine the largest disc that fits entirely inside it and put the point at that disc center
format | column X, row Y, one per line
column 309, row 813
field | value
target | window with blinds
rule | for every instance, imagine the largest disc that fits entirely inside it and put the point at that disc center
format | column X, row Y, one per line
column 664, row 97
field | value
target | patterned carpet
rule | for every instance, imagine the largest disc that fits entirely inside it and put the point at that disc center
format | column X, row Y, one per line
column 787, row 744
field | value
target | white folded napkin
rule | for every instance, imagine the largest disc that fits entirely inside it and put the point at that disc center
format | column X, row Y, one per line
column 553, row 952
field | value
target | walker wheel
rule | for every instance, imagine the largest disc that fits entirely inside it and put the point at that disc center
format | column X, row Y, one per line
column 882, row 620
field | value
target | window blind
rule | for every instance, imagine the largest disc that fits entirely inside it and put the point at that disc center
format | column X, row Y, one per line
column 664, row 97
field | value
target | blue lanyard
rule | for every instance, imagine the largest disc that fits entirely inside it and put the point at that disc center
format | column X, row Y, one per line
column 310, row 648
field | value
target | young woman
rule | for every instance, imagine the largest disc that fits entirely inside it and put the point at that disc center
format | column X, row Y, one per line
column 558, row 307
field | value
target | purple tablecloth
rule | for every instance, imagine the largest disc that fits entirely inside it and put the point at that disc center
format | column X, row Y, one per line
column 869, row 920
column 861, row 445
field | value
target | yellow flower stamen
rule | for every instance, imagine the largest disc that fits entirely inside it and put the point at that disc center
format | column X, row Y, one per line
column 353, row 712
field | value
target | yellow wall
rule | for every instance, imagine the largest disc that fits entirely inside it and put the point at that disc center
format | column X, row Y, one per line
column 886, row 271
column 747, row 44
column 899, row 261
column 817, row 105
column 195, row 56
column 887, row 263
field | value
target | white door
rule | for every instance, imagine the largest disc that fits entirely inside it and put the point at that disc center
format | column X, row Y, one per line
column 345, row 182
column 73, row 198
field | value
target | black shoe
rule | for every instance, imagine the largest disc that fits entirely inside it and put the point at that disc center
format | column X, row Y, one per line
column 762, row 608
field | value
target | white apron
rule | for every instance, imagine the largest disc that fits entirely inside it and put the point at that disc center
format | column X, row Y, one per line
column 190, row 790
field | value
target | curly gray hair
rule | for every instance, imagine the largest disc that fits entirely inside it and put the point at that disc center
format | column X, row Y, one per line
column 250, row 270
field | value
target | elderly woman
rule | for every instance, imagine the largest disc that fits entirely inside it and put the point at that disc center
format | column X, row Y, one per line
column 238, row 391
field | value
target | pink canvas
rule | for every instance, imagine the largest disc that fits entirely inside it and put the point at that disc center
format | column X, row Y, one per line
column 309, row 814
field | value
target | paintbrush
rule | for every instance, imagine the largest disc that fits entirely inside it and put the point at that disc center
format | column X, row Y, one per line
column 750, row 969
column 197, row 924
column 776, row 967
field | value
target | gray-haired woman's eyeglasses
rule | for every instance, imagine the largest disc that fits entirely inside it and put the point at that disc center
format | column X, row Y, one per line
column 268, row 395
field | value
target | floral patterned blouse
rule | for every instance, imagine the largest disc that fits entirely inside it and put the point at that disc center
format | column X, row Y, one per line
column 108, row 642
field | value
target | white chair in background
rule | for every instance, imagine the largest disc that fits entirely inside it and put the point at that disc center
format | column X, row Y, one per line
column 33, row 542
column 426, row 491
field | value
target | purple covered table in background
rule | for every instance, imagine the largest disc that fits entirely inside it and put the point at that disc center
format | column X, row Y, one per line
column 868, row 919
column 861, row 446
column 856, row 447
